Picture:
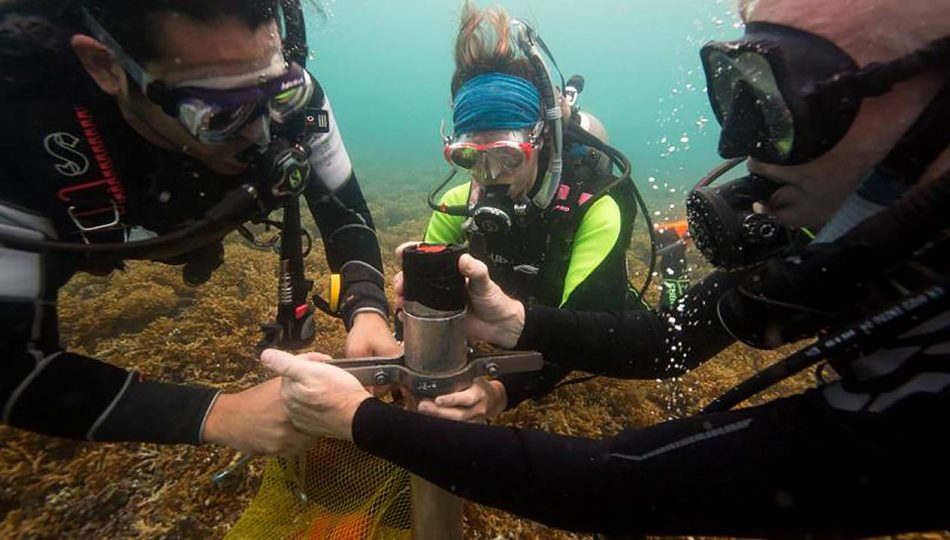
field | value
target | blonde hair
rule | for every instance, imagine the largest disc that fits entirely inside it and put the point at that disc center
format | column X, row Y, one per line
column 485, row 44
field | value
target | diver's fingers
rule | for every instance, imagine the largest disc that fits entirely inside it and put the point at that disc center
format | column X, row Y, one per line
column 399, row 284
column 466, row 398
column 477, row 273
column 459, row 414
column 286, row 364
column 427, row 406
column 317, row 357
column 402, row 247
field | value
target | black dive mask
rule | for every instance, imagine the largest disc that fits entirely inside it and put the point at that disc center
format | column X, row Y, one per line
column 727, row 231
column 786, row 96
column 494, row 212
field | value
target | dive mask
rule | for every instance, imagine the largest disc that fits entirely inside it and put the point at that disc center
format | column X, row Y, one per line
column 214, row 116
column 490, row 160
column 216, row 109
column 786, row 96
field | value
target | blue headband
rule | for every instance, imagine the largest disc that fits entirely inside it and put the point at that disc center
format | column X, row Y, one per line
column 496, row 101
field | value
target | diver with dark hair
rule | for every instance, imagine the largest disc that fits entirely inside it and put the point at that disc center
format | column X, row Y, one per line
column 150, row 130
column 844, row 135
column 543, row 208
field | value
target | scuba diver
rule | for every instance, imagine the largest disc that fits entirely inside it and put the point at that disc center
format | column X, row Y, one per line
column 542, row 209
column 844, row 135
column 150, row 130
column 537, row 209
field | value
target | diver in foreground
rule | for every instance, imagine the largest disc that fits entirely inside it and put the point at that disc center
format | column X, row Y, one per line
column 138, row 130
column 542, row 209
column 842, row 108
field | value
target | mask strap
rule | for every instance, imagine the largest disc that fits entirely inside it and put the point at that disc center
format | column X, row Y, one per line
column 879, row 78
column 100, row 33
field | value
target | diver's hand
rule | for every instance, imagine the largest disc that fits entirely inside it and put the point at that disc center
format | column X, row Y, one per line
column 370, row 336
column 320, row 398
column 484, row 399
column 255, row 421
column 492, row 315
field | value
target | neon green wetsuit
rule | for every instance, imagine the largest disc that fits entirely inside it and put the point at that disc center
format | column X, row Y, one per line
column 595, row 265
column 573, row 255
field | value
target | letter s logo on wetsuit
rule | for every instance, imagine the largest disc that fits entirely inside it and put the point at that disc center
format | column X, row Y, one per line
column 70, row 162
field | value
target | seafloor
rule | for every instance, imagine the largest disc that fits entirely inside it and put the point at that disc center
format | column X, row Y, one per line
column 145, row 318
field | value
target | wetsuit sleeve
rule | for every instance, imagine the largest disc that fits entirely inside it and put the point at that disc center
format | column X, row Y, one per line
column 790, row 466
column 640, row 344
column 46, row 389
column 631, row 344
column 446, row 229
column 346, row 226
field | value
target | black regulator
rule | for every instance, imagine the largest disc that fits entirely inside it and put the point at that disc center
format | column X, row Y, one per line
column 726, row 225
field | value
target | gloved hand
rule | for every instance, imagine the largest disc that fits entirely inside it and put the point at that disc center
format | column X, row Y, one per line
column 484, row 399
column 492, row 315
column 321, row 399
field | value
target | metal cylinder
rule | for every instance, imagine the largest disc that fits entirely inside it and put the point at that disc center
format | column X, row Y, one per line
column 434, row 339
column 434, row 343
column 436, row 513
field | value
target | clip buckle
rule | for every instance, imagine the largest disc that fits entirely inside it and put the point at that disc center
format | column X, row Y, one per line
column 77, row 216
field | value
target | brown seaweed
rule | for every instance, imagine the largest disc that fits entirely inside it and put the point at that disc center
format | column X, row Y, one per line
column 145, row 318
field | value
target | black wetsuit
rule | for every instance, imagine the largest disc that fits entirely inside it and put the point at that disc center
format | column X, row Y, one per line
column 69, row 156
column 860, row 456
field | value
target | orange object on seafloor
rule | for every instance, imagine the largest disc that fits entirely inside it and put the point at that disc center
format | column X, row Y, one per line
column 681, row 227
column 354, row 526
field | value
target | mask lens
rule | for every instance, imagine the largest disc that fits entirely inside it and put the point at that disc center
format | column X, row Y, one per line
column 231, row 120
column 465, row 157
column 749, row 105
column 507, row 157
column 500, row 156
column 216, row 126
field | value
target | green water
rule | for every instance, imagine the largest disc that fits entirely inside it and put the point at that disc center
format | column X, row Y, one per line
column 386, row 66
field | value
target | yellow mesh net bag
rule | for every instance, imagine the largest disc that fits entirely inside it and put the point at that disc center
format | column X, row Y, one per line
column 335, row 491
